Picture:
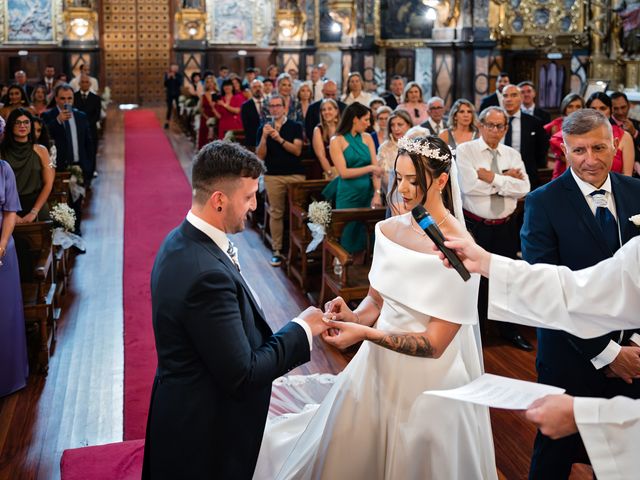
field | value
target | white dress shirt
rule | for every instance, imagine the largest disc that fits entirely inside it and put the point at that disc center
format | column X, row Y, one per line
column 529, row 110
column 364, row 98
column 516, row 131
column 220, row 239
column 612, row 350
column 437, row 127
column 476, row 194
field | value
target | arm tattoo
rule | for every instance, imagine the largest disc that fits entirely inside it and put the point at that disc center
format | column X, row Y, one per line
column 409, row 344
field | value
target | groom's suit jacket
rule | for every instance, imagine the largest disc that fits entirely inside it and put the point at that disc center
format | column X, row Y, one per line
column 217, row 358
column 559, row 228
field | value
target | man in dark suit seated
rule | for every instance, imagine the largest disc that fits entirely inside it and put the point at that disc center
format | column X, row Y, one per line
column 393, row 97
column 495, row 99
column 91, row 104
column 528, row 91
column 620, row 116
column 578, row 220
column 329, row 90
column 71, row 133
column 526, row 134
column 217, row 355
column 252, row 112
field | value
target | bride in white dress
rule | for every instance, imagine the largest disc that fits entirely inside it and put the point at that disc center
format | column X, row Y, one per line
column 373, row 421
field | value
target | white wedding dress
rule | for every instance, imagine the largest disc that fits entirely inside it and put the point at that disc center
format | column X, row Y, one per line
column 372, row 421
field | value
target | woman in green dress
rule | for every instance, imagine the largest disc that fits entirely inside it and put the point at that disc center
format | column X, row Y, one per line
column 358, row 184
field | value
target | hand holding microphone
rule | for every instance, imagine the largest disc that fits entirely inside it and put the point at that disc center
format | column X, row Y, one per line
column 424, row 220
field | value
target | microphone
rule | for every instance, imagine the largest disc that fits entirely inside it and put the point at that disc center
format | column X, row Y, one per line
column 427, row 224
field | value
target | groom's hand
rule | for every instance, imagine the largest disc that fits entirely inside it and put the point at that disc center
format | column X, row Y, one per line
column 337, row 309
column 344, row 334
column 313, row 317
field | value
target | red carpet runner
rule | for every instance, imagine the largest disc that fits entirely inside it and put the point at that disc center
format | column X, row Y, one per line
column 157, row 197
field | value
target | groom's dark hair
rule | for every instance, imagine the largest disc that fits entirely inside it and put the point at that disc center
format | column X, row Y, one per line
column 221, row 161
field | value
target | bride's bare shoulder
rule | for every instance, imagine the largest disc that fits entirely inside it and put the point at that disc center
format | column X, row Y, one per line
column 454, row 228
column 393, row 227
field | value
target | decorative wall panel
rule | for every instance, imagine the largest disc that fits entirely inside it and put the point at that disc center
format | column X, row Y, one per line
column 137, row 48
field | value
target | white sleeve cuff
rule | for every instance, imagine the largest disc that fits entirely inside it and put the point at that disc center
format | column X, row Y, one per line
column 498, row 181
column 607, row 356
column 307, row 330
column 635, row 338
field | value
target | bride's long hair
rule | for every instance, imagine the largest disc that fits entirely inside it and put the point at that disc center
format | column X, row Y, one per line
column 427, row 168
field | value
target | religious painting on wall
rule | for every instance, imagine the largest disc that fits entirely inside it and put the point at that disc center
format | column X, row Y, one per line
column 405, row 22
column 327, row 30
column 29, row 21
column 230, row 22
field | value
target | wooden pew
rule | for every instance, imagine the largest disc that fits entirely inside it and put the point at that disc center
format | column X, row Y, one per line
column 352, row 283
column 301, row 265
column 34, row 243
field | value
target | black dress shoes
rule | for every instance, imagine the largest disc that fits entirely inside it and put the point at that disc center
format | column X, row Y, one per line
column 520, row 342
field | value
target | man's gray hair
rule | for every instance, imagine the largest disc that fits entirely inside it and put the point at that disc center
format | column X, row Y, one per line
column 433, row 100
column 488, row 110
column 584, row 121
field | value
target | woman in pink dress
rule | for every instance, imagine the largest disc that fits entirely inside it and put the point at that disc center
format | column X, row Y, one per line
column 570, row 104
column 207, row 102
column 227, row 109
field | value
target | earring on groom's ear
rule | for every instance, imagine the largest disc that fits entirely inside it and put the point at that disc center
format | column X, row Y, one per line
column 219, row 209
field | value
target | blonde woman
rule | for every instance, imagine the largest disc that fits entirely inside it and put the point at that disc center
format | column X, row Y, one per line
column 355, row 90
column 413, row 103
column 462, row 124
column 304, row 99
column 322, row 134
column 399, row 124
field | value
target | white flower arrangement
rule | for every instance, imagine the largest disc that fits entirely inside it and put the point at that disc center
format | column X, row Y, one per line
column 64, row 216
column 319, row 219
column 635, row 219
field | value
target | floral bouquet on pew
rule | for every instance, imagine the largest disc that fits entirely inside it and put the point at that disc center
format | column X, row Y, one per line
column 76, row 182
column 64, row 222
column 319, row 219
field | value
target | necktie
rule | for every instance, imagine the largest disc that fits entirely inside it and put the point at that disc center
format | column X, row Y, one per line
column 497, row 201
column 606, row 221
column 507, row 138
column 232, row 251
column 313, row 92
column 67, row 131
column 84, row 97
column 436, row 129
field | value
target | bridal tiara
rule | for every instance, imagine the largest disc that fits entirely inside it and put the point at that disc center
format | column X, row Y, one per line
column 413, row 145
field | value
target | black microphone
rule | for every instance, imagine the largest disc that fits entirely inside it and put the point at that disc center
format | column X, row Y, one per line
column 427, row 224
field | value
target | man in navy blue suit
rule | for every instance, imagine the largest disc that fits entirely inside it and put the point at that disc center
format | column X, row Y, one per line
column 71, row 133
column 217, row 356
column 578, row 220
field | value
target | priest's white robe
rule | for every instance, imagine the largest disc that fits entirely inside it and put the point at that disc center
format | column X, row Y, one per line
column 587, row 303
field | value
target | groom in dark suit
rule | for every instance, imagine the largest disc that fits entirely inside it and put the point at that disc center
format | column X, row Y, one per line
column 217, row 355
column 578, row 220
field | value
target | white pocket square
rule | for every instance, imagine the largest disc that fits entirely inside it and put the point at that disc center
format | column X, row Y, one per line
column 533, row 133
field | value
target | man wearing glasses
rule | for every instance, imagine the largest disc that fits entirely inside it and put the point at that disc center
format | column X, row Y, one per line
column 280, row 146
column 492, row 179
column 435, row 122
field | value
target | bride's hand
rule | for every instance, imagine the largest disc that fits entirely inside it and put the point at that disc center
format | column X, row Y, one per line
column 344, row 334
column 337, row 309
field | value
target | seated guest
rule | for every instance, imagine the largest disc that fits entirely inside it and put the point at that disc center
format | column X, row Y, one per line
column 382, row 114
column 16, row 98
column 41, row 137
column 462, row 125
column 355, row 90
column 570, row 103
column 39, row 101
column 528, row 92
column 31, row 166
column 413, row 103
column 207, row 111
column 227, row 109
column 322, row 134
column 329, row 91
column 399, row 125
column 358, row 185
column 435, row 123
column 280, row 146
column 303, row 100
column 13, row 341
column 252, row 112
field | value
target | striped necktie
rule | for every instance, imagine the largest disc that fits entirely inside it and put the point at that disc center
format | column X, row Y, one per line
column 606, row 221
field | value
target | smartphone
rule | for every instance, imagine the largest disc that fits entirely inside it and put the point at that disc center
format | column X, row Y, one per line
column 68, row 107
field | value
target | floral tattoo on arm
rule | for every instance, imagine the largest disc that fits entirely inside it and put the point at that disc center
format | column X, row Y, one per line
column 409, row 344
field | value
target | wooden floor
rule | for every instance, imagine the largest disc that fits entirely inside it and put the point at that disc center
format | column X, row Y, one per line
column 80, row 402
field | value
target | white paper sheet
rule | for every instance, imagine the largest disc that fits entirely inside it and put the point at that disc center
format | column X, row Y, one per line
column 498, row 392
